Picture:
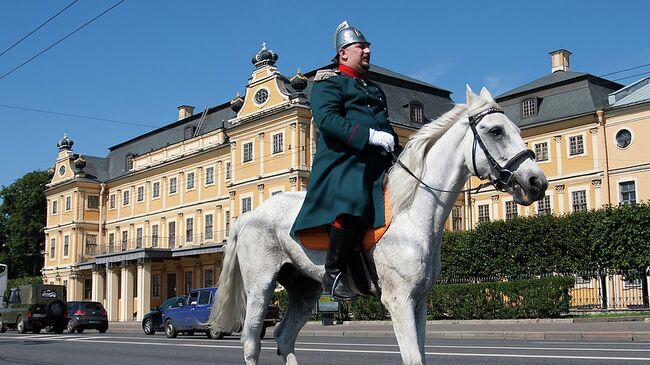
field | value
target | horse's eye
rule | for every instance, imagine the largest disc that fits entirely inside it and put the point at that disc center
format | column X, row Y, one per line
column 496, row 131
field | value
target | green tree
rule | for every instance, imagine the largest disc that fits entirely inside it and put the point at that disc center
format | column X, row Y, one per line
column 22, row 218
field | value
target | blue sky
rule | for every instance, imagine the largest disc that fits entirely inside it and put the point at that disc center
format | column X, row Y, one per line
column 144, row 58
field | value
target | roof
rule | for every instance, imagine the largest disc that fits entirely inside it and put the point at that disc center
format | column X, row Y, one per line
column 559, row 96
column 635, row 93
column 400, row 90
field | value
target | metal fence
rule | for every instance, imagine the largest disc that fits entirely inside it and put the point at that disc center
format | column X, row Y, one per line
column 593, row 291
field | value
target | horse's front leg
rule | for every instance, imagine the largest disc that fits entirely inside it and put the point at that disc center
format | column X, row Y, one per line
column 421, row 324
column 402, row 308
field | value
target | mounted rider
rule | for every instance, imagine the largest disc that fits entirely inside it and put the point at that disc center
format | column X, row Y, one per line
column 345, row 189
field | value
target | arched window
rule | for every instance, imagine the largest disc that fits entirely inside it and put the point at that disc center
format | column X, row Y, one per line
column 416, row 112
column 128, row 162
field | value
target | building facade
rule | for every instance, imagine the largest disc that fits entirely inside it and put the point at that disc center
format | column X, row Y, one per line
column 150, row 220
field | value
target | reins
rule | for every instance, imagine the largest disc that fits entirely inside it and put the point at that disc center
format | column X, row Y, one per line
column 505, row 174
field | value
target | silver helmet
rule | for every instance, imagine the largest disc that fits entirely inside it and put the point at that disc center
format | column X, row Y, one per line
column 345, row 35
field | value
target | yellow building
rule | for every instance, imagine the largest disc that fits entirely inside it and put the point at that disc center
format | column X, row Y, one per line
column 585, row 133
column 149, row 221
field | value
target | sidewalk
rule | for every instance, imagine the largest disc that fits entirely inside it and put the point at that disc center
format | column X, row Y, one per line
column 620, row 329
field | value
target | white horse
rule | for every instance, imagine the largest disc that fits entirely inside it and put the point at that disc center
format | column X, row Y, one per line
column 471, row 139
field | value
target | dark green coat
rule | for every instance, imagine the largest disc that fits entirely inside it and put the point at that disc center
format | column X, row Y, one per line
column 347, row 173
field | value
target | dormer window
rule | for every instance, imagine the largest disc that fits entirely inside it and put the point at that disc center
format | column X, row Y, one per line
column 188, row 132
column 416, row 112
column 529, row 107
column 128, row 162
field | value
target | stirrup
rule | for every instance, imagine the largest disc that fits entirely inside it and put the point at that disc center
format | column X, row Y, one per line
column 340, row 291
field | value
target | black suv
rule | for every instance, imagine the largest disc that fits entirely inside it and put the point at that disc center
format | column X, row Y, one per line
column 33, row 307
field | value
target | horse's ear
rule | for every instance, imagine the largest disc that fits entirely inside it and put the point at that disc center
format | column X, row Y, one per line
column 485, row 94
column 470, row 94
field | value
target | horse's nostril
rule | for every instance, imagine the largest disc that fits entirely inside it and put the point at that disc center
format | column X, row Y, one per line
column 537, row 185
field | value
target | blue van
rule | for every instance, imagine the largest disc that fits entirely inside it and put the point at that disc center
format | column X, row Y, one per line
column 192, row 316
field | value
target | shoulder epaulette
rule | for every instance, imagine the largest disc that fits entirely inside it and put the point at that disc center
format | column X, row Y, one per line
column 326, row 74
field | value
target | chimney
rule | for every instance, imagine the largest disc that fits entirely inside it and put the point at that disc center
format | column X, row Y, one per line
column 185, row 111
column 560, row 60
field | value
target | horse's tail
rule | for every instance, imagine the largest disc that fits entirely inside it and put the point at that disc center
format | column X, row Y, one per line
column 229, row 307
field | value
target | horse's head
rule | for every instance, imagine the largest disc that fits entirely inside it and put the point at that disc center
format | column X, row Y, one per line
column 499, row 153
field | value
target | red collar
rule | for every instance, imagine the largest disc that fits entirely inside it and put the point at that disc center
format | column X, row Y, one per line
column 350, row 72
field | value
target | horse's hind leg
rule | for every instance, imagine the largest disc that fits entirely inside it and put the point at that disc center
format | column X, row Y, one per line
column 257, row 301
column 303, row 293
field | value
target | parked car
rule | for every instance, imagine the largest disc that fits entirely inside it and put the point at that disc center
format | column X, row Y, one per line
column 33, row 307
column 152, row 321
column 193, row 315
column 85, row 315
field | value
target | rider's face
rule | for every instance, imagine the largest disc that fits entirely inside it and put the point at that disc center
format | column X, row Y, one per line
column 356, row 55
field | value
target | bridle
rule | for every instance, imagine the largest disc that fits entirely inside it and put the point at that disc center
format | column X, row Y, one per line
column 505, row 177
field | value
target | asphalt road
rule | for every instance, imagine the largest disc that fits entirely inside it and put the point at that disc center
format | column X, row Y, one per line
column 131, row 348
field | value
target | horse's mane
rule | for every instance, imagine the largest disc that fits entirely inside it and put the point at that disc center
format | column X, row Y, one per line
column 401, row 186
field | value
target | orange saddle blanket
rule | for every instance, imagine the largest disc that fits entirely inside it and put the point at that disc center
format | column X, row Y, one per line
column 317, row 239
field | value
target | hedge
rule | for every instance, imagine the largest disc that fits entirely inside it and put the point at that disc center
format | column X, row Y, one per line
column 546, row 297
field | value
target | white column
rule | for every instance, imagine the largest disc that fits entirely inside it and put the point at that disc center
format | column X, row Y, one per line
column 164, row 191
column 233, row 150
column 294, row 149
column 217, row 220
column 595, row 147
column 559, row 189
column 303, row 146
column 144, row 289
column 199, row 229
column 494, row 215
column 261, row 153
column 260, row 194
column 597, row 183
column 219, row 179
column 181, row 186
column 558, row 154
column 98, row 287
column 293, row 181
column 126, row 307
column 112, row 278
column 200, row 181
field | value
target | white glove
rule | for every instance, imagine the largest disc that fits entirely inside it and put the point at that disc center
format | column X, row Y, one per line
column 382, row 139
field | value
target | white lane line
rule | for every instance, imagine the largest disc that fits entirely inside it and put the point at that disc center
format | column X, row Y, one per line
column 608, row 358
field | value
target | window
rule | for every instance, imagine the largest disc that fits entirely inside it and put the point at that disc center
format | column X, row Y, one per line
column 528, row 107
column 140, row 196
column 227, row 173
column 628, row 192
column 88, row 289
column 278, row 143
column 227, row 222
column 261, row 96
column 511, row 209
column 189, row 229
column 154, row 235
column 54, row 206
column 188, row 132
column 456, row 218
column 204, row 297
column 128, row 162
column 125, row 197
column 245, row 205
column 579, row 200
column 111, row 201
column 155, row 191
column 209, row 226
column 416, row 112
column 188, row 281
column 52, row 248
column 66, row 245
column 544, row 206
column 93, row 201
column 190, row 181
column 68, row 202
column 623, row 138
column 541, row 151
column 172, row 185
column 155, row 285
column 576, row 145
column 138, row 237
column 208, row 274
column 209, row 175
column 125, row 240
column 248, row 152
column 172, row 234
column 483, row 213
column 91, row 244
column 111, row 242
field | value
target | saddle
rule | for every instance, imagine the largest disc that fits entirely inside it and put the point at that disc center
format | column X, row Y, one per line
column 359, row 271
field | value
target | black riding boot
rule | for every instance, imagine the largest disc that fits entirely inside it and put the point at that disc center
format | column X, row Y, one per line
column 335, row 283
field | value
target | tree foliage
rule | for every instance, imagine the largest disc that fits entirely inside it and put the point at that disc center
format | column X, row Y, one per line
column 22, row 219
column 612, row 237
